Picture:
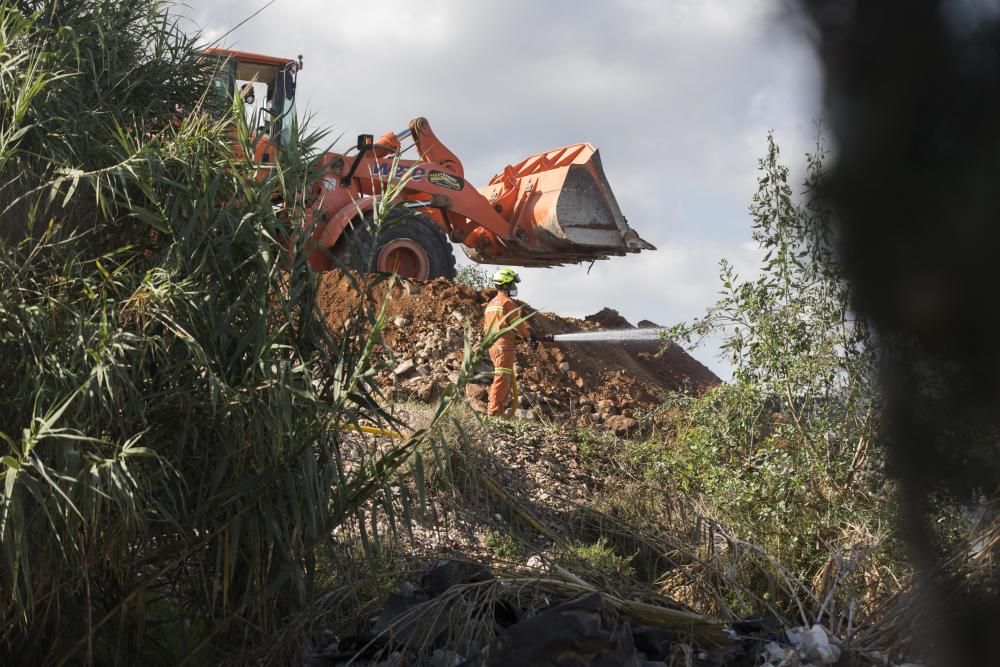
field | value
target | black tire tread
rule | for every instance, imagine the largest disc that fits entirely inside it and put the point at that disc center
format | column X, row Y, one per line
column 357, row 248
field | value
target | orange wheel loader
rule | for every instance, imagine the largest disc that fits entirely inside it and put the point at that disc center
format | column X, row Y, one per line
column 552, row 208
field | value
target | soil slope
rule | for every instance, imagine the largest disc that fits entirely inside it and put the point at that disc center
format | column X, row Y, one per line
column 589, row 383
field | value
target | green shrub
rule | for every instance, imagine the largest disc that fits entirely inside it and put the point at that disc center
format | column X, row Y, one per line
column 503, row 546
column 782, row 455
column 602, row 557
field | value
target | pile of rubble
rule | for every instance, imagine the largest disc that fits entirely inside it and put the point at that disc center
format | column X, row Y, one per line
column 596, row 383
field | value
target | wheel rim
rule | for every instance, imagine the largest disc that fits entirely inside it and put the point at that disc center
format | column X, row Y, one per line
column 405, row 258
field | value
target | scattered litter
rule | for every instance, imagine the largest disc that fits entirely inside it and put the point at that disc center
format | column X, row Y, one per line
column 535, row 563
column 807, row 647
column 429, row 623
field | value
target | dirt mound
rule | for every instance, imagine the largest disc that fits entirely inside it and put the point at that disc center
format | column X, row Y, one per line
column 607, row 383
column 609, row 320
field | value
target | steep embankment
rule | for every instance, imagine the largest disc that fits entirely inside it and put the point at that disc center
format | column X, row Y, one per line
column 605, row 383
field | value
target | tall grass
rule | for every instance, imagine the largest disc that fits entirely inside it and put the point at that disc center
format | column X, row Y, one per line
column 169, row 393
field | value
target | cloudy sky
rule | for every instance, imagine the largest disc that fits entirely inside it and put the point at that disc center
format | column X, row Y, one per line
column 678, row 95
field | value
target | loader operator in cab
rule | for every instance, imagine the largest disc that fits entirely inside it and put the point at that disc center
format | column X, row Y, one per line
column 502, row 313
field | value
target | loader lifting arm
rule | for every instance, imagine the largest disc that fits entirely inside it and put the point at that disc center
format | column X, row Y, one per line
column 551, row 209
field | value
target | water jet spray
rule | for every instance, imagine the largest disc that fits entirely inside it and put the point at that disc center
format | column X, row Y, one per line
column 623, row 336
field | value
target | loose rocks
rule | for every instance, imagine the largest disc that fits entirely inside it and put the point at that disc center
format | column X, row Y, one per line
column 621, row 425
column 403, row 368
column 577, row 383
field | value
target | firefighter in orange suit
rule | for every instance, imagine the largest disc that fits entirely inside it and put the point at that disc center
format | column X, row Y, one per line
column 501, row 313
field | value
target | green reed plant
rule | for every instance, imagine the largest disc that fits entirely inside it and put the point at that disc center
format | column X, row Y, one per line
column 170, row 396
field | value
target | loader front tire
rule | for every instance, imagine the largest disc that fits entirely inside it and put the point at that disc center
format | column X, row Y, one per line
column 409, row 244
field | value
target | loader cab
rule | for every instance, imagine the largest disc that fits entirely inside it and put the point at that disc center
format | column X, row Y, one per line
column 267, row 86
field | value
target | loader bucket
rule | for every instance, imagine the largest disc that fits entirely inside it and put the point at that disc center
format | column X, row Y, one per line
column 563, row 211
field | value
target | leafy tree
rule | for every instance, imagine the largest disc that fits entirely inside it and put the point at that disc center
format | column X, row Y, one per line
column 783, row 451
column 790, row 332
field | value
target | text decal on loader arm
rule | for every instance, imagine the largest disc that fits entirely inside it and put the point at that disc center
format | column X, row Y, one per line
column 445, row 180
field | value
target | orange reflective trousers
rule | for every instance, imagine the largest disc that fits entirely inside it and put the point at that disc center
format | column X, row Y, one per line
column 502, row 312
column 502, row 356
